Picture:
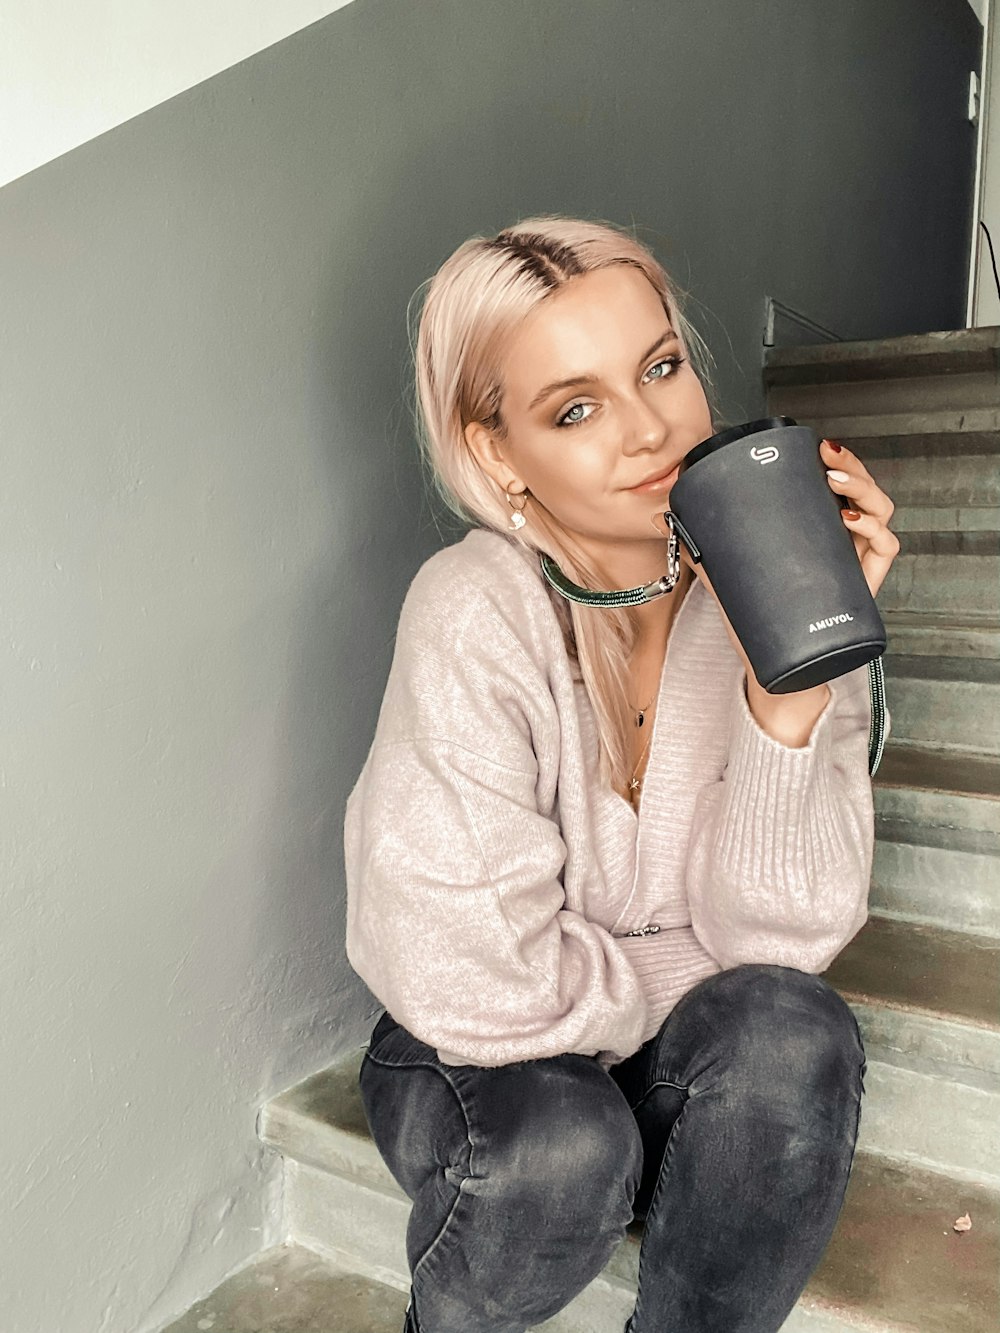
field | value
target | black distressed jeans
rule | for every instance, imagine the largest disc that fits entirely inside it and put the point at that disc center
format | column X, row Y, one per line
column 731, row 1132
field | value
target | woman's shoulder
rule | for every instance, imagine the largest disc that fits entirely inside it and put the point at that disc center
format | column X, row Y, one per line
column 472, row 636
column 476, row 561
column 483, row 573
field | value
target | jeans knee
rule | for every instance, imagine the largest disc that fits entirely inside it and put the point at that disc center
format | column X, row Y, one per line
column 570, row 1145
column 790, row 1025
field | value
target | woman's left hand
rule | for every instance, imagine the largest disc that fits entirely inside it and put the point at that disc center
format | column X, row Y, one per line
column 875, row 544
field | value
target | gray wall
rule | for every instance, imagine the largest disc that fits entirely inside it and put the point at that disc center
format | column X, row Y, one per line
column 211, row 509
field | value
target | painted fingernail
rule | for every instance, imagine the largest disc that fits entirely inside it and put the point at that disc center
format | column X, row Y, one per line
column 834, row 445
column 851, row 513
column 836, row 475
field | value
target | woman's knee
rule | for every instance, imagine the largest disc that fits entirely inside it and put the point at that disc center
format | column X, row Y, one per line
column 553, row 1135
column 784, row 1022
column 415, row 1121
column 565, row 1138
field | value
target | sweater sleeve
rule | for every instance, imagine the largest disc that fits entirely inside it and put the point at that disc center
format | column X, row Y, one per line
column 780, row 857
column 455, row 906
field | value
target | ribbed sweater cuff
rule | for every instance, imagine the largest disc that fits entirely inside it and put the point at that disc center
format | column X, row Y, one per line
column 779, row 822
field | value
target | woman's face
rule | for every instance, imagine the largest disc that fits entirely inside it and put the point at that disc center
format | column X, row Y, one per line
column 582, row 449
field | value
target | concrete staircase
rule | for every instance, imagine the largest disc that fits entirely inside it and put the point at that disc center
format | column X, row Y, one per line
column 923, row 414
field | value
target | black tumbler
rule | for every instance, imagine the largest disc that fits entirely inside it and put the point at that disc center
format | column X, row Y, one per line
column 752, row 503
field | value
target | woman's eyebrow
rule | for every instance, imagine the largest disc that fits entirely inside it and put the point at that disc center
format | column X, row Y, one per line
column 588, row 378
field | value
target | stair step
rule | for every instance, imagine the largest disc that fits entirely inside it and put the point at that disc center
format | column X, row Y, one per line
column 922, row 652
column 893, row 1260
column 970, row 639
column 932, row 519
column 937, row 831
column 914, row 968
column 944, row 431
column 290, row 1289
column 935, row 770
column 905, row 378
column 947, row 352
column 899, row 418
column 962, row 716
column 935, row 479
column 893, row 1263
column 927, row 1001
column 947, row 511
column 939, row 569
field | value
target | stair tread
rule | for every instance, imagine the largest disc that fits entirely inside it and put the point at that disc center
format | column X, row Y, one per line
column 939, row 352
column 940, row 620
column 939, row 770
column 928, row 663
column 290, row 1289
column 958, row 506
column 936, row 1279
column 945, row 518
column 923, row 421
column 894, row 1261
column 973, row 641
column 919, row 967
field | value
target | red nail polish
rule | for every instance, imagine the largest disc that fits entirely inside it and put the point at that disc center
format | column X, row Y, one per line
column 834, row 445
column 851, row 513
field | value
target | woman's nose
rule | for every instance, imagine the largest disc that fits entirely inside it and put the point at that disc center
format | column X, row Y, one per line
column 644, row 429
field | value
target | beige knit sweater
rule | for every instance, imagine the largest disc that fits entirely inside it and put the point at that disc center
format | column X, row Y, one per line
column 491, row 876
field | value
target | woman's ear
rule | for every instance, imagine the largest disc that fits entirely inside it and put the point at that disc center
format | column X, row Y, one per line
column 485, row 449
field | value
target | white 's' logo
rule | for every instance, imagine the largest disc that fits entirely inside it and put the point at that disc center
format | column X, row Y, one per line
column 767, row 454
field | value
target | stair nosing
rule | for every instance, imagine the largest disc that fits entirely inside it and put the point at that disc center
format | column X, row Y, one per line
column 950, row 422
column 929, row 620
column 937, row 354
column 926, row 755
column 854, row 995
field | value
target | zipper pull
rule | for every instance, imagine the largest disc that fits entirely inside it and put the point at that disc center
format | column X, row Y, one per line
column 641, row 930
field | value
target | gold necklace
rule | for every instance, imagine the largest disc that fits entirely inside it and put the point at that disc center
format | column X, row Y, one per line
column 635, row 784
column 640, row 713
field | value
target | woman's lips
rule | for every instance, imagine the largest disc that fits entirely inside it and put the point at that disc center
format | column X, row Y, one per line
column 657, row 484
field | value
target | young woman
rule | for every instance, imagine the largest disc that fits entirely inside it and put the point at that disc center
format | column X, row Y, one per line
column 593, row 868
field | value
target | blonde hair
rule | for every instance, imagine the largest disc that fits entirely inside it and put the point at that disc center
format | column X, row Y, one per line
column 473, row 304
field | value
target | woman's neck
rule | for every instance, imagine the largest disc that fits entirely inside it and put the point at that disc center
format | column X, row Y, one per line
column 655, row 618
column 628, row 564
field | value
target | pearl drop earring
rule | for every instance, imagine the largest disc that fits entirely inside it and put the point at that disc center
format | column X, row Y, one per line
column 517, row 519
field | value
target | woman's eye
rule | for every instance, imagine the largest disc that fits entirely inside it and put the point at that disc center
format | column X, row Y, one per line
column 674, row 361
column 567, row 420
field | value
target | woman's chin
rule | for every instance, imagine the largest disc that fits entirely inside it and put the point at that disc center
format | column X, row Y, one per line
column 659, row 523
